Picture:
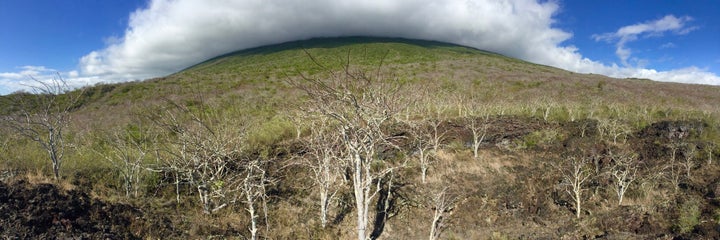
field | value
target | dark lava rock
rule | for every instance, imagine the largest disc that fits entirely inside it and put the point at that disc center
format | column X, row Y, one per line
column 672, row 130
column 43, row 211
column 654, row 141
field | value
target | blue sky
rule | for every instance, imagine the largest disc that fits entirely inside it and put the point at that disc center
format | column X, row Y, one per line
column 90, row 41
column 700, row 47
column 58, row 33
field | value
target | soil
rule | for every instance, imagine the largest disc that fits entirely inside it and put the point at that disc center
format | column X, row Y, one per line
column 43, row 211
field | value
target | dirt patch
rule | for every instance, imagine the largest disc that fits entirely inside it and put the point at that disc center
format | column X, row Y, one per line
column 500, row 128
column 43, row 211
column 654, row 141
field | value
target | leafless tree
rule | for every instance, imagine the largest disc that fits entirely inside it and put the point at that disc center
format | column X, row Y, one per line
column 359, row 104
column 478, row 127
column 43, row 115
column 252, row 185
column 689, row 157
column 709, row 150
column 435, row 134
column 428, row 137
column 673, row 167
column 575, row 172
column 624, row 172
column 323, row 147
column 127, row 153
column 200, row 147
column 613, row 128
column 443, row 204
column 299, row 121
column 422, row 146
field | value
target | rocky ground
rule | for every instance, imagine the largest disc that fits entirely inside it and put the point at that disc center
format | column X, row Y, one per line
column 504, row 197
column 43, row 211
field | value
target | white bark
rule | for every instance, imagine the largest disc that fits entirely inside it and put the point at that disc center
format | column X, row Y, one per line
column 324, row 164
column 424, row 163
column 624, row 173
column 709, row 151
column 42, row 117
column 423, row 147
column 689, row 162
column 252, row 188
column 575, row 174
column 479, row 130
column 127, row 155
column 623, row 180
column 427, row 140
column 200, row 146
column 613, row 128
column 443, row 204
column 437, row 136
column 674, row 167
column 359, row 106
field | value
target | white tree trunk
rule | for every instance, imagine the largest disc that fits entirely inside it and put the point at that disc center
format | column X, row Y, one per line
column 577, row 202
column 204, row 198
column 323, row 208
column 477, row 140
column 423, row 163
column 253, row 215
column 710, row 155
column 575, row 174
column 358, row 186
column 434, row 225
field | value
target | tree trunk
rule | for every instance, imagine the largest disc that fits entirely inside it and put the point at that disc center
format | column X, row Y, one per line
column 435, row 221
column 55, row 164
column 323, row 207
column 177, row 187
column 56, row 170
column 253, row 216
column 358, row 186
column 424, row 162
column 204, row 198
column 577, row 204
column 423, row 169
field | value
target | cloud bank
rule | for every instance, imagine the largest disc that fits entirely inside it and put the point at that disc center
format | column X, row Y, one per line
column 27, row 77
column 169, row 35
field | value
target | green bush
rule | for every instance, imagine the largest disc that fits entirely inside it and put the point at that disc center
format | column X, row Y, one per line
column 688, row 216
column 540, row 138
column 270, row 132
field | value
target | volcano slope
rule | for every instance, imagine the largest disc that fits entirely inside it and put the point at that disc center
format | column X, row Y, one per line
column 481, row 146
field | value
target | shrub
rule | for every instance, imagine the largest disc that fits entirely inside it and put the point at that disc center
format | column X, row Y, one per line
column 540, row 138
column 271, row 132
column 688, row 216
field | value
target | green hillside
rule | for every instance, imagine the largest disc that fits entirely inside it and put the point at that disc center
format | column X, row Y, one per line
column 470, row 126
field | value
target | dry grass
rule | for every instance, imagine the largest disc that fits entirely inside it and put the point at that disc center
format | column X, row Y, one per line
column 35, row 177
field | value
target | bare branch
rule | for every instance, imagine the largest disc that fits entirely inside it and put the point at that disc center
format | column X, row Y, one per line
column 43, row 116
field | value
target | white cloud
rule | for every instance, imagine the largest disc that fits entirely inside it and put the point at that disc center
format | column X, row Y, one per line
column 11, row 75
column 668, row 45
column 655, row 28
column 28, row 77
column 169, row 35
column 685, row 75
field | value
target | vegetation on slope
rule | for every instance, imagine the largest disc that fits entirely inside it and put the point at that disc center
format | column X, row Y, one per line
column 234, row 133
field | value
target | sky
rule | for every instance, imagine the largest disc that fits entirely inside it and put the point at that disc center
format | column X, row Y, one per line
column 86, row 42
